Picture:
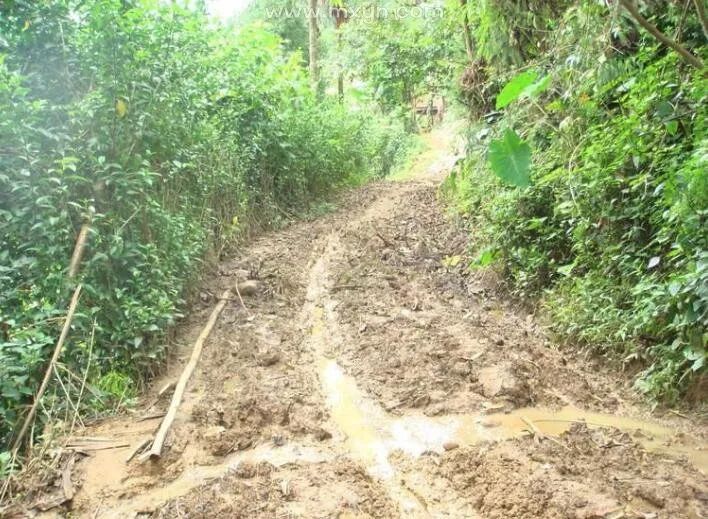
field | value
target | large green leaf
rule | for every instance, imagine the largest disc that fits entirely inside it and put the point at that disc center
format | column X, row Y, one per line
column 539, row 86
column 510, row 159
column 525, row 84
column 514, row 88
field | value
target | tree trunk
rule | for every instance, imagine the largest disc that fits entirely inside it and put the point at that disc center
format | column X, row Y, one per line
column 340, row 74
column 314, row 45
column 700, row 9
column 469, row 44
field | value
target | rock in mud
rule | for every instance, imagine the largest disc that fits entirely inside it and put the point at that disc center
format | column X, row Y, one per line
column 250, row 287
column 461, row 369
column 323, row 434
column 268, row 358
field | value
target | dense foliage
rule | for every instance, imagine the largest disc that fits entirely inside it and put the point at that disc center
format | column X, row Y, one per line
column 171, row 135
column 611, row 233
column 402, row 59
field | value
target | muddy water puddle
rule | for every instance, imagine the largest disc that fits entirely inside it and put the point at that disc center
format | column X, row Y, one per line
column 372, row 434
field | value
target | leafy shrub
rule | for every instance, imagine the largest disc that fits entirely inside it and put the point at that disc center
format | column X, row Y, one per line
column 611, row 233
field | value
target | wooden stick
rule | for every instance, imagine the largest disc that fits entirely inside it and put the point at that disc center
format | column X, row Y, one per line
column 50, row 369
column 138, row 448
column 238, row 292
column 97, row 447
column 78, row 250
column 73, row 270
column 156, row 449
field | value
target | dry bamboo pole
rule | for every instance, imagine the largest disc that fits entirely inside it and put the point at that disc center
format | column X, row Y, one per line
column 156, row 449
column 76, row 257
column 49, row 371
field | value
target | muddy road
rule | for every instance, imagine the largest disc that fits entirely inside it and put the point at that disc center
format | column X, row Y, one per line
column 372, row 376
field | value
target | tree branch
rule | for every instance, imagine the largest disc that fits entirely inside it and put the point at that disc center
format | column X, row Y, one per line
column 654, row 31
column 700, row 9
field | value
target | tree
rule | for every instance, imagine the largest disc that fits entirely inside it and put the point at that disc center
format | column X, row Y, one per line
column 314, row 44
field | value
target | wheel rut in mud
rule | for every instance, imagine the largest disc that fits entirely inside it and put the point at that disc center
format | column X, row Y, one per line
column 371, row 375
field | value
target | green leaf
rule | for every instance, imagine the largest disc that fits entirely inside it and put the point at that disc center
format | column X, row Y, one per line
column 538, row 87
column 510, row 159
column 486, row 257
column 514, row 88
column 566, row 270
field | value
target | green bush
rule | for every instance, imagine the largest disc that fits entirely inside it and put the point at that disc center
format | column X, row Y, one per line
column 171, row 135
column 611, row 235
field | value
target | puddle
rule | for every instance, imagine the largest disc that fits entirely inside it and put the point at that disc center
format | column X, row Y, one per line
column 372, row 434
column 653, row 437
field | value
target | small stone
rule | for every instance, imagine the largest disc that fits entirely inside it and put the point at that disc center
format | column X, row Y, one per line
column 214, row 432
column 249, row 288
column 461, row 369
column 285, row 488
column 241, row 274
column 268, row 358
column 421, row 401
column 499, row 341
column 451, row 446
column 323, row 434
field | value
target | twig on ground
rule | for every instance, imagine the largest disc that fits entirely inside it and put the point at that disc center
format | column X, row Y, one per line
column 238, row 292
column 138, row 449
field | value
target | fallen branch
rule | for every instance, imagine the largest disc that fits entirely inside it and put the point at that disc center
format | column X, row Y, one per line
column 156, row 449
column 76, row 257
column 97, row 447
column 50, row 369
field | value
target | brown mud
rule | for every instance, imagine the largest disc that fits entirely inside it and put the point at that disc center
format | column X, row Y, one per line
column 372, row 375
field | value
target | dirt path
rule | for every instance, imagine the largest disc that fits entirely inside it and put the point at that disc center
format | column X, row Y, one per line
column 372, row 377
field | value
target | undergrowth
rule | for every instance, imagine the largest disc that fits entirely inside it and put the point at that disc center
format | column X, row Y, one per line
column 610, row 237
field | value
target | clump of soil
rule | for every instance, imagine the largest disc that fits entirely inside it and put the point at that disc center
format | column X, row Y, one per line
column 586, row 473
column 422, row 332
column 339, row 489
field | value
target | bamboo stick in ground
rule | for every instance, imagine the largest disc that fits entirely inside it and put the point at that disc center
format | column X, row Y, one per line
column 78, row 250
column 156, row 449
column 50, row 369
